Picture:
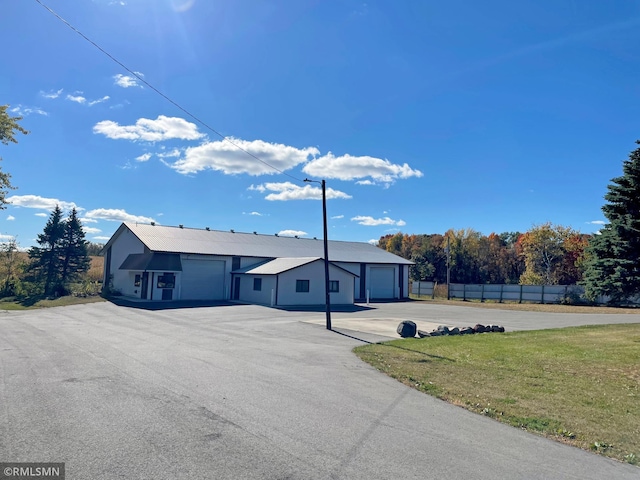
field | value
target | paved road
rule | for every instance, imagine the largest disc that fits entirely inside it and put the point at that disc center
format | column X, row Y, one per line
column 239, row 392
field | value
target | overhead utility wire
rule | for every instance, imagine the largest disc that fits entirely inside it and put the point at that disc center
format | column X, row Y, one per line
column 136, row 75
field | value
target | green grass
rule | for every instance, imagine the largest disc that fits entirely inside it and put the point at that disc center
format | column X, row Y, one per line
column 11, row 303
column 577, row 385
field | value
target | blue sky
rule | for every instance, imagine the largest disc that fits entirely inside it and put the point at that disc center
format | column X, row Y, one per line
column 421, row 116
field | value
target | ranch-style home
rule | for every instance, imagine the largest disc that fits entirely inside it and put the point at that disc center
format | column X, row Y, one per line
column 153, row 263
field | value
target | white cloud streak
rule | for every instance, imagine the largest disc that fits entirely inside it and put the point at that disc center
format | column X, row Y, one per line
column 26, row 111
column 11, row 218
column 349, row 167
column 374, row 222
column 52, row 94
column 91, row 230
column 35, row 201
column 292, row 233
column 287, row 191
column 127, row 81
column 83, row 100
column 144, row 157
column 116, row 215
column 162, row 128
column 226, row 157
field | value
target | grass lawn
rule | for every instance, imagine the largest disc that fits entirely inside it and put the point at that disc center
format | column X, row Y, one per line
column 11, row 303
column 577, row 385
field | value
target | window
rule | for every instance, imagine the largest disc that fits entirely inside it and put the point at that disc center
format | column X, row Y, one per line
column 302, row 286
column 334, row 286
column 136, row 281
column 235, row 263
column 168, row 280
column 257, row 284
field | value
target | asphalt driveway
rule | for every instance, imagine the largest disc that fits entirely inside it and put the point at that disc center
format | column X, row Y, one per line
column 241, row 392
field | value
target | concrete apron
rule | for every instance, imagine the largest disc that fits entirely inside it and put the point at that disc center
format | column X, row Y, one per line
column 384, row 327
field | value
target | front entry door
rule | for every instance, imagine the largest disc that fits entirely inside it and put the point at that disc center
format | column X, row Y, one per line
column 236, row 288
column 145, row 285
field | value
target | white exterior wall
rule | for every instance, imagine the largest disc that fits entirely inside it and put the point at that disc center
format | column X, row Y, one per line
column 355, row 269
column 249, row 295
column 125, row 244
column 314, row 272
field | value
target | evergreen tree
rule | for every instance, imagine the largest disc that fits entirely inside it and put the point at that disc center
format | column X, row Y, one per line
column 46, row 258
column 74, row 258
column 613, row 257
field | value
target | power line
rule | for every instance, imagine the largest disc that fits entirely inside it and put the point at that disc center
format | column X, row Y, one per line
column 174, row 103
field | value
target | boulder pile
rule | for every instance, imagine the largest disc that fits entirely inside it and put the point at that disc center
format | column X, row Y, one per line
column 444, row 330
column 408, row 329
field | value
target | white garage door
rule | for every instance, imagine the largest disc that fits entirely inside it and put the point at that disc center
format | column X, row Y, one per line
column 202, row 280
column 382, row 282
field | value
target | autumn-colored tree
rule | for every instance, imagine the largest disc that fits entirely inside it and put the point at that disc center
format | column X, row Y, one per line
column 543, row 248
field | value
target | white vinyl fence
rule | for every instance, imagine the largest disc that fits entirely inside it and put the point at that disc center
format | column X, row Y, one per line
column 514, row 293
column 503, row 292
column 426, row 289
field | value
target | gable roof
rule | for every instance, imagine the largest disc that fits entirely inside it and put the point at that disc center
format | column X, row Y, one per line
column 281, row 265
column 158, row 238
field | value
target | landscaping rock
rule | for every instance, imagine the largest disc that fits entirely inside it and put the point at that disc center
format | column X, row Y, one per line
column 436, row 333
column 443, row 329
column 407, row 329
column 479, row 328
column 423, row 334
column 466, row 331
column 454, row 331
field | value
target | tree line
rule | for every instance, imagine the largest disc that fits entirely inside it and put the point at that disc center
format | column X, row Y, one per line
column 546, row 254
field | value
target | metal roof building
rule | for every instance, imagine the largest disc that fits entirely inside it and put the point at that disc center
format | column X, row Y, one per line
column 155, row 262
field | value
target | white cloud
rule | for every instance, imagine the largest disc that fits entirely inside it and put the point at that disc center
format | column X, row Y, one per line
column 11, row 218
column 288, row 191
column 127, row 81
column 597, row 222
column 43, row 215
column 257, row 188
column 25, row 111
column 100, row 100
column 91, row 230
column 365, row 182
column 6, row 238
column 77, row 98
column 52, row 94
column 255, row 214
column 144, row 157
column 226, row 157
column 35, row 201
column 337, row 217
column 374, row 241
column 292, row 233
column 374, row 222
column 88, row 220
column 116, row 215
column 170, row 154
column 102, row 239
column 162, row 128
column 348, row 167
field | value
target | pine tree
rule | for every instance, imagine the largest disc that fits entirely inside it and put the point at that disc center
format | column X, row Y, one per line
column 74, row 258
column 613, row 265
column 46, row 258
